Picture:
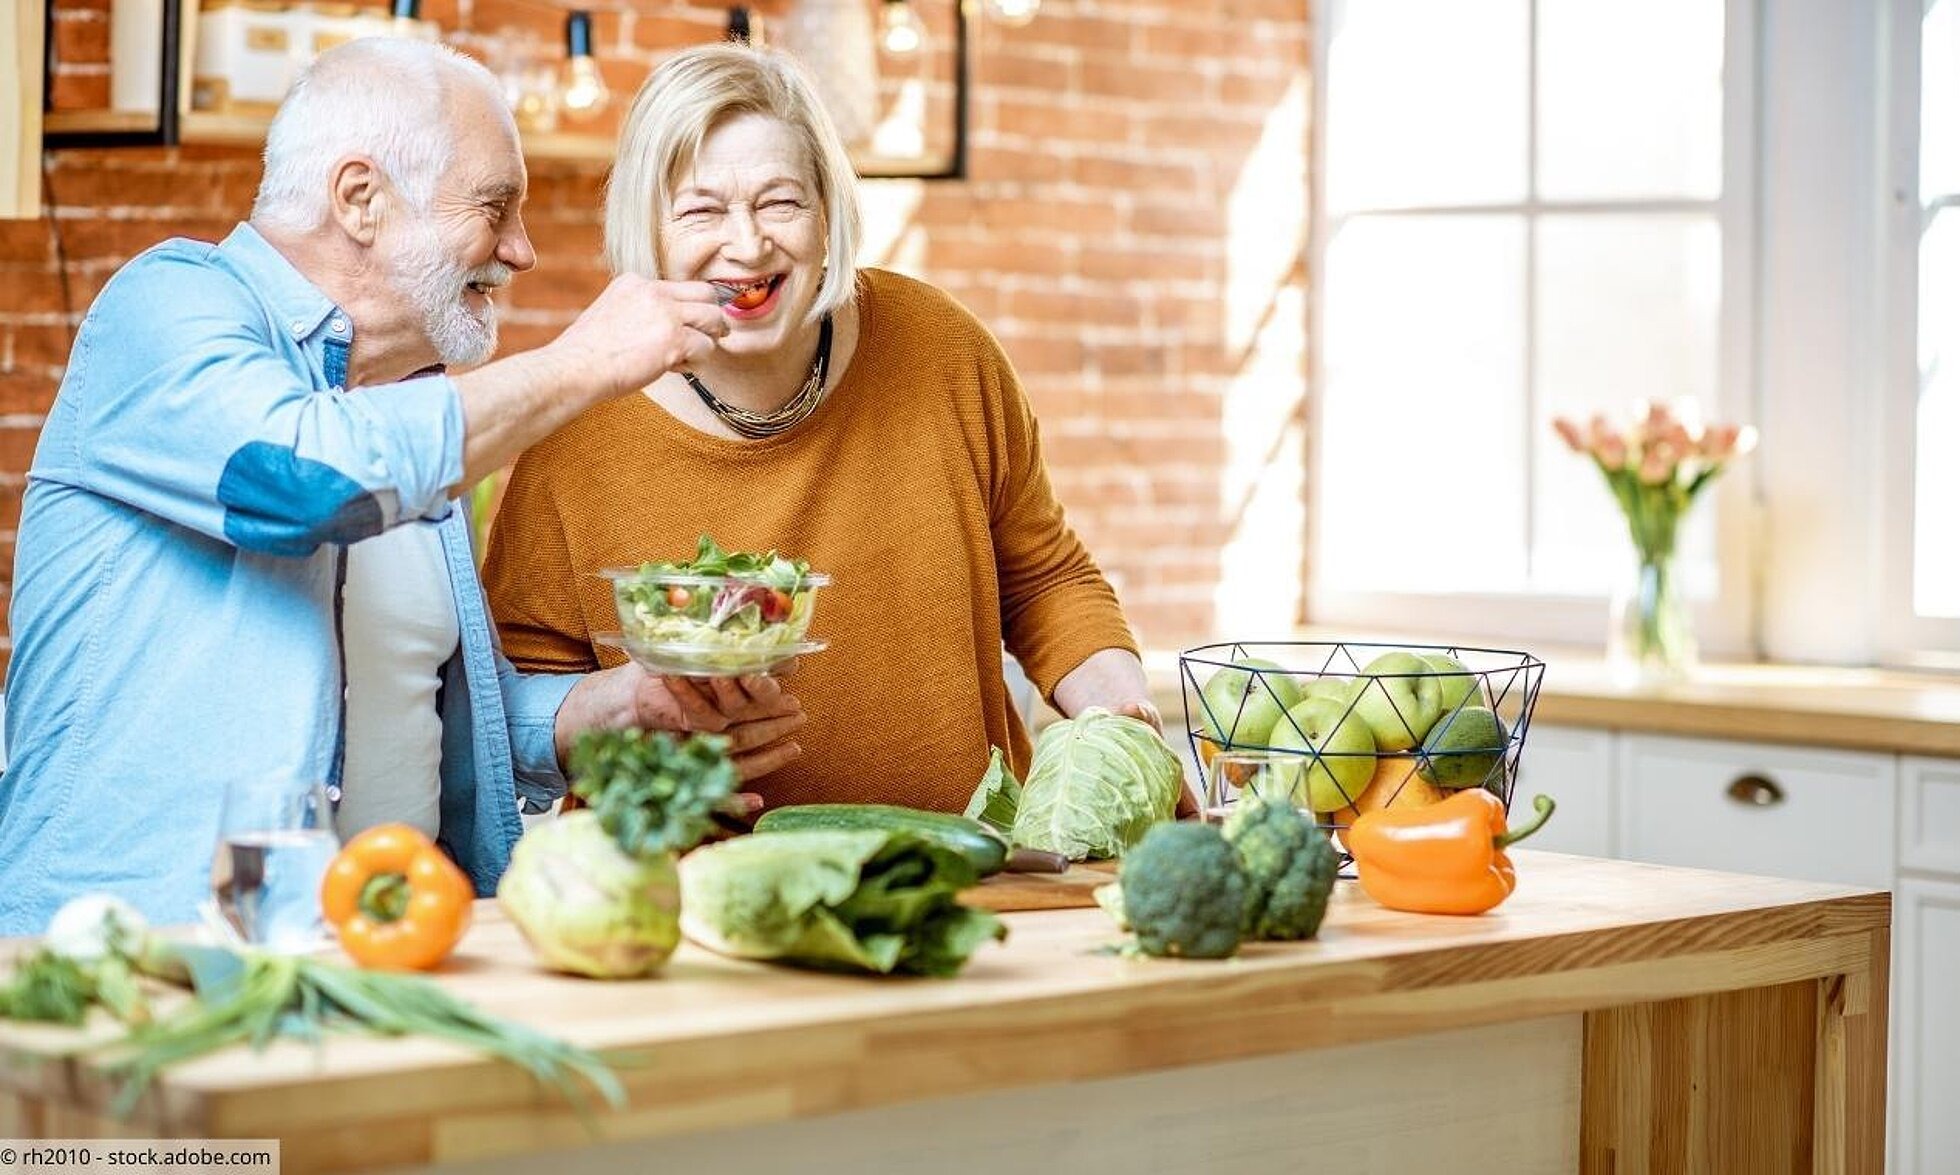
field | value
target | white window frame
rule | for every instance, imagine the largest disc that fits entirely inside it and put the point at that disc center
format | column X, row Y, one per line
column 1905, row 639
column 1724, row 625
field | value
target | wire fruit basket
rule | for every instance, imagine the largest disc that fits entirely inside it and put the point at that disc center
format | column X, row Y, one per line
column 1346, row 727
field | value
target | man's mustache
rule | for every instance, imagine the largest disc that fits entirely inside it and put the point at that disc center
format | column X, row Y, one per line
column 491, row 276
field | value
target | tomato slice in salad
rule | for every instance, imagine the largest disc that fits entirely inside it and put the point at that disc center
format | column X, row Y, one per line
column 773, row 604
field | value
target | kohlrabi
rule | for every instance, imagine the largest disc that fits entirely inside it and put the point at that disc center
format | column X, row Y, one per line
column 595, row 891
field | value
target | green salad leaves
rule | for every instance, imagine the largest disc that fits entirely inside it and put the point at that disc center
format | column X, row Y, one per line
column 721, row 612
column 771, row 569
column 856, row 901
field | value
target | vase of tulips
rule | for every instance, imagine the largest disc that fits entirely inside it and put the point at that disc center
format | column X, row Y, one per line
column 1655, row 470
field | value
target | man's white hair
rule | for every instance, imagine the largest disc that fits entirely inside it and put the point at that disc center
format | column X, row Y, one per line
column 382, row 97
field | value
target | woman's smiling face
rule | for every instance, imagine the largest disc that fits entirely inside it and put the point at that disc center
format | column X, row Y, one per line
column 748, row 218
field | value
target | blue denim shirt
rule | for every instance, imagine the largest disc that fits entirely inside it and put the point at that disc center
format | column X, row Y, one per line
column 175, row 609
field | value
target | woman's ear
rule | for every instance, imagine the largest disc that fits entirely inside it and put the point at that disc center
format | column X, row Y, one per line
column 355, row 196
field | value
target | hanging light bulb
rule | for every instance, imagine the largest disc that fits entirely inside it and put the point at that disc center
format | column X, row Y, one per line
column 900, row 32
column 584, row 92
column 1013, row 12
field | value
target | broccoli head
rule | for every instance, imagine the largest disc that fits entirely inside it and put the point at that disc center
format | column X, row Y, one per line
column 1289, row 868
column 1184, row 892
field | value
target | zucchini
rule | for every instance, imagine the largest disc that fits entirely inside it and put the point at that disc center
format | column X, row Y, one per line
column 982, row 846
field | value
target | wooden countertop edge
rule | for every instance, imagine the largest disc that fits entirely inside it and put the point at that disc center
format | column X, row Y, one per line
column 1198, row 1013
column 919, row 1056
column 1729, row 720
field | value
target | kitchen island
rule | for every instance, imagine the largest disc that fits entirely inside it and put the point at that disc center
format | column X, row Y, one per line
column 1611, row 1016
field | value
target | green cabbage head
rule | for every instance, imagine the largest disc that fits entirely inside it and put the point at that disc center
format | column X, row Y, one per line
column 587, row 907
column 1098, row 782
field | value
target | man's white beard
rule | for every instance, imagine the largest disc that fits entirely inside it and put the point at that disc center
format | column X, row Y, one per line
column 436, row 285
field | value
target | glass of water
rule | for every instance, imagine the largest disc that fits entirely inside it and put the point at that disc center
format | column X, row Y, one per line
column 1233, row 775
column 275, row 841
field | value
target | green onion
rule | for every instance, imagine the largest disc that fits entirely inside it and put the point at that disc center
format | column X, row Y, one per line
column 251, row 998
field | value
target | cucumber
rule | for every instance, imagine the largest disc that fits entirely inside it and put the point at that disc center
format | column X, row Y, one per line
column 981, row 845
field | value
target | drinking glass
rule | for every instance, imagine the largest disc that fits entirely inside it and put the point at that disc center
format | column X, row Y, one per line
column 275, row 840
column 1266, row 774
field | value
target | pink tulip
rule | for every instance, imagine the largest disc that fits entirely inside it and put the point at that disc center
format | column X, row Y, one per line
column 1569, row 432
column 1719, row 442
column 1656, row 419
column 1610, row 451
column 1656, row 466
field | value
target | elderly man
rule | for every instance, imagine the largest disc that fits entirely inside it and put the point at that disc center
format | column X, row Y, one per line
column 240, row 561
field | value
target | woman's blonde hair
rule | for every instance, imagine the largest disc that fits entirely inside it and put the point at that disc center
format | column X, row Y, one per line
column 686, row 98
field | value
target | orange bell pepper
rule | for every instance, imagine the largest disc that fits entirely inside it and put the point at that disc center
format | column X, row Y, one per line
column 397, row 902
column 1447, row 858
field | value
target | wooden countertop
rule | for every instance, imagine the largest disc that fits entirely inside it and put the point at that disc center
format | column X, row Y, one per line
column 724, row 1043
column 1825, row 706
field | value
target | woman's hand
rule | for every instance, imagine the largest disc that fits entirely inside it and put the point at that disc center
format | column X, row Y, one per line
column 756, row 714
column 1112, row 679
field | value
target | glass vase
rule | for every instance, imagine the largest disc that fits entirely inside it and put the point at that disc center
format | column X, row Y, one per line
column 1652, row 636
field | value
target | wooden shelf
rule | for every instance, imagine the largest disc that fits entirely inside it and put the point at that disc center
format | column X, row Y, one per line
column 97, row 121
column 244, row 130
column 208, row 128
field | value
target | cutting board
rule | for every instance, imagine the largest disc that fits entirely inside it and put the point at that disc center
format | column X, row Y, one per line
column 1073, row 890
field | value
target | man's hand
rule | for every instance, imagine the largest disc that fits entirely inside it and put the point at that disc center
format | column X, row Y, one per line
column 638, row 330
column 756, row 714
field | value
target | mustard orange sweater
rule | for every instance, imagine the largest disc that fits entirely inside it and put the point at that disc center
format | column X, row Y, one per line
column 917, row 485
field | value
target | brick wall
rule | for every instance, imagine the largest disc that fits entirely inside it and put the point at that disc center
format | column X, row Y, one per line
column 1131, row 229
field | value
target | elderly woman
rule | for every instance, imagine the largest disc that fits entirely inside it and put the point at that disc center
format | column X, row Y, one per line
column 855, row 418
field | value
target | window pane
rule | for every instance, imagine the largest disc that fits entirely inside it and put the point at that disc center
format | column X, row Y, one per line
column 1936, row 542
column 1629, row 98
column 1939, row 100
column 1421, row 484
column 1629, row 308
column 1426, row 102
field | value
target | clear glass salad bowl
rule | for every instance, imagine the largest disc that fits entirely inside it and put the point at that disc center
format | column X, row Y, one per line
column 688, row 624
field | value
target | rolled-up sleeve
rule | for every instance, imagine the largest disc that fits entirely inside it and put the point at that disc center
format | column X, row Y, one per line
column 194, row 412
column 531, row 702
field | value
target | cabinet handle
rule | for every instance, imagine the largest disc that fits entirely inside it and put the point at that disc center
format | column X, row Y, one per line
column 1757, row 791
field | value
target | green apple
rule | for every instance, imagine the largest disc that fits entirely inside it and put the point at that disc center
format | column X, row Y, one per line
column 1456, row 685
column 1346, row 753
column 1241, row 707
column 1333, row 689
column 1400, row 699
column 1465, row 749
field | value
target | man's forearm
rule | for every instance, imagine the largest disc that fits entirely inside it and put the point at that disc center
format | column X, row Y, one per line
column 511, row 404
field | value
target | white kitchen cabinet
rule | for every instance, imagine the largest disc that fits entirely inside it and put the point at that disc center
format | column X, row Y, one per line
column 1925, row 1079
column 1779, row 811
column 1929, row 816
column 1574, row 766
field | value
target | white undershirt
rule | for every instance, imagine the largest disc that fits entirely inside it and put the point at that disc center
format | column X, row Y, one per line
column 399, row 627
